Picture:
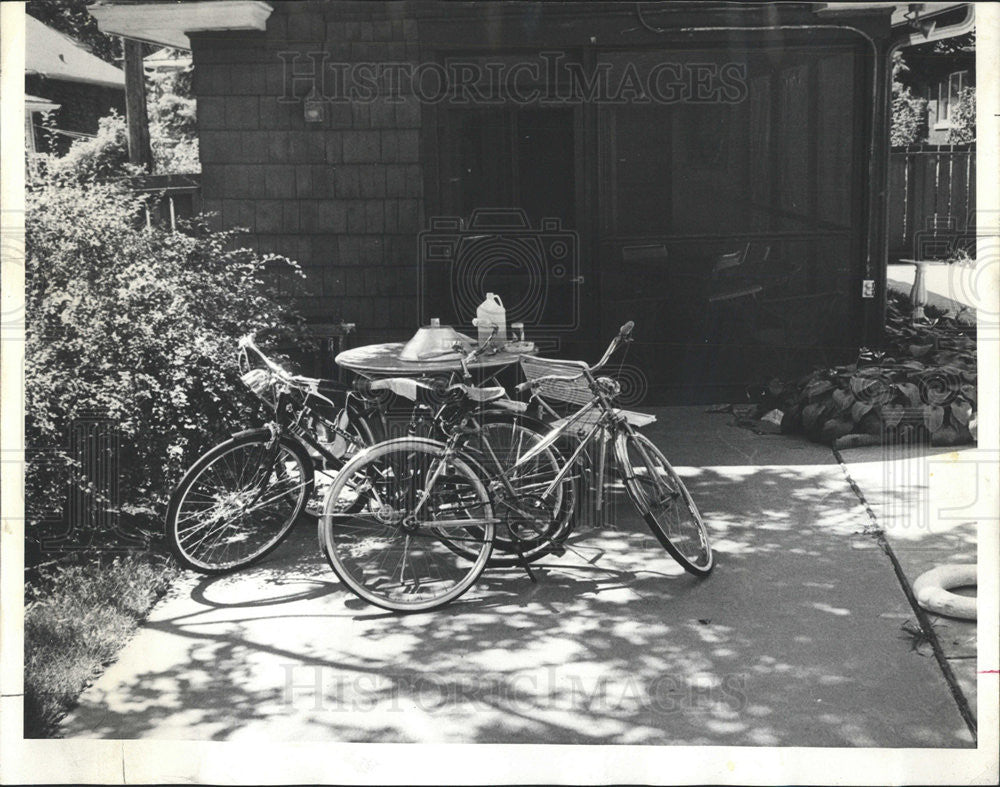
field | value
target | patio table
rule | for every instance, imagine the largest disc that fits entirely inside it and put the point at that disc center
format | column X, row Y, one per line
column 382, row 360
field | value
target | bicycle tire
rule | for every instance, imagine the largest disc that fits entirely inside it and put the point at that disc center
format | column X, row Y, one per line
column 512, row 551
column 220, row 538
column 371, row 547
column 686, row 537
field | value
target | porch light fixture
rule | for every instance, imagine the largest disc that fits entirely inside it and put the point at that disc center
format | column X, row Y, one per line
column 314, row 110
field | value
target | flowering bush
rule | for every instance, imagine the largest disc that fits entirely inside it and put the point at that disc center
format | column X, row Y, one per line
column 104, row 156
column 138, row 325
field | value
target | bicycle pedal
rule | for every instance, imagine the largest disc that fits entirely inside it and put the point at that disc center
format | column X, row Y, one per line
column 558, row 550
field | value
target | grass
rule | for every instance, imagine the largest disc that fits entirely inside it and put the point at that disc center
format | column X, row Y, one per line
column 77, row 618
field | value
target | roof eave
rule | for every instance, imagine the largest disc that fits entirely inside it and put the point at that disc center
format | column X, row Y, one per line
column 119, row 85
column 168, row 24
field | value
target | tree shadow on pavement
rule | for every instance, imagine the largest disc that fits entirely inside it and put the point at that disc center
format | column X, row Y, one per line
column 793, row 640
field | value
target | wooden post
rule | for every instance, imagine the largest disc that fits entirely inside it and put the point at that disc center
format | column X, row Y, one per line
column 139, row 151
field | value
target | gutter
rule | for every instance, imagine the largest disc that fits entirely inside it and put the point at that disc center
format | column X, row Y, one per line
column 934, row 33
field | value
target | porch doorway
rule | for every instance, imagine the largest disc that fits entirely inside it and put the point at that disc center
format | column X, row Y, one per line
column 507, row 220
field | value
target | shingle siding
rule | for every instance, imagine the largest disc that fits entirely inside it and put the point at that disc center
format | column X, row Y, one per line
column 343, row 197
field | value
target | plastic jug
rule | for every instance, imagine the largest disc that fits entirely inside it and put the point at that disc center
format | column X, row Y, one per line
column 489, row 314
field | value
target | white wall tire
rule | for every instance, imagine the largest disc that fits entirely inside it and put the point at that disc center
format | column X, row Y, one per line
column 933, row 591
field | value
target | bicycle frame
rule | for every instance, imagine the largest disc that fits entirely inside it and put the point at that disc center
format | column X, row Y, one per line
column 292, row 398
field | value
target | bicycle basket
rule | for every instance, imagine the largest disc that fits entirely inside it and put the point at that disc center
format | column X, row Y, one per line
column 573, row 391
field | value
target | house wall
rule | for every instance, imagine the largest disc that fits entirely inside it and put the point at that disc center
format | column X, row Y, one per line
column 343, row 196
column 791, row 168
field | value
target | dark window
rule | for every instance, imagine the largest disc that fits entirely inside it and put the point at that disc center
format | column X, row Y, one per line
column 510, row 157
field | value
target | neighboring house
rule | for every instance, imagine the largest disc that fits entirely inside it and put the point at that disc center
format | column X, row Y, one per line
column 939, row 72
column 35, row 110
column 642, row 144
column 77, row 87
column 932, row 181
column 166, row 60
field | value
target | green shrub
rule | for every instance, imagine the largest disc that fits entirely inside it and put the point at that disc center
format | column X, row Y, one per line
column 963, row 117
column 139, row 326
column 909, row 117
column 105, row 156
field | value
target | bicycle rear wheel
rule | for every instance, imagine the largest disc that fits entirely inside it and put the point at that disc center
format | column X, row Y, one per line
column 664, row 502
column 496, row 446
column 238, row 502
column 399, row 539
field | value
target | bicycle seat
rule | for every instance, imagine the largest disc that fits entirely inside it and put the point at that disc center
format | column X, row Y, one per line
column 482, row 395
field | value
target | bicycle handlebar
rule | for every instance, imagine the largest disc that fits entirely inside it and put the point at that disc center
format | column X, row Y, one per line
column 624, row 334
column 248, row 342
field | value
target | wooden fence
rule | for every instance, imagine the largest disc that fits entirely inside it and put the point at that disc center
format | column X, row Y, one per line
column 932, row 201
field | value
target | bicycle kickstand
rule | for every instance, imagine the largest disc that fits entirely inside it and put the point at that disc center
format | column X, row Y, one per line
column 524, row 563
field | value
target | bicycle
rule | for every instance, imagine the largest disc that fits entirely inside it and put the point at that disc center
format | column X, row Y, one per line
column 494, row 432
column 409, row 524
column 239, row 500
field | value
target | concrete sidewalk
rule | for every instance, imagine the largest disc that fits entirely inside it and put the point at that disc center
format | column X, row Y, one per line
column 794, row 640
column 928, row 501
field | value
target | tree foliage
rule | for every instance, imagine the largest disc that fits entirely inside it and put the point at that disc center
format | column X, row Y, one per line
column 173, row 128
column 72, row 18
column 909, row 117
column 137, row 325
column 106, row 154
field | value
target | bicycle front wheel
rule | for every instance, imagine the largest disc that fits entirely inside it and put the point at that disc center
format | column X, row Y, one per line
column 238, row 502
column 664, row 502
column 406, row 526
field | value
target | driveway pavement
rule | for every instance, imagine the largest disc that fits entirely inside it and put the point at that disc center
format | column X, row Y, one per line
column 794, row 640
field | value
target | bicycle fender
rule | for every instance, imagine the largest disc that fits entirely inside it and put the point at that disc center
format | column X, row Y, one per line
column 260, row 430
column 628, row 474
